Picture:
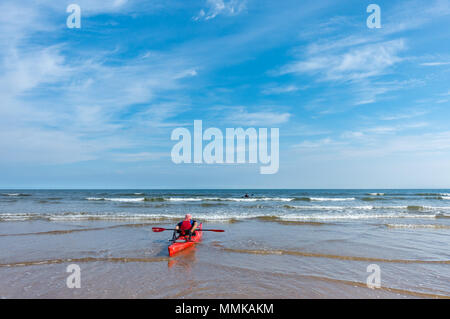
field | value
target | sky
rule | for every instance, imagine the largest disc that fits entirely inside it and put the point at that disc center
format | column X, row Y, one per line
column 94, row 107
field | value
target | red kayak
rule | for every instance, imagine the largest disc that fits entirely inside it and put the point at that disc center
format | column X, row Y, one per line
column 183, row 242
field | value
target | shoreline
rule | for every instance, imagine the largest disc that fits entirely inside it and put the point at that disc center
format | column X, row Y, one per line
column 292, row 272
column 323, row 247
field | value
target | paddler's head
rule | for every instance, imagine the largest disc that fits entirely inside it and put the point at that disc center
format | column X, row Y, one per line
column 188, row 217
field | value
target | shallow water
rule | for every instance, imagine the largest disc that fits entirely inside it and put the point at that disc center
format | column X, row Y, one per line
column 276, row 244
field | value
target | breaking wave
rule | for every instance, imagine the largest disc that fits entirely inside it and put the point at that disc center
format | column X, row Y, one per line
column 331, row 199
column 217, row 216
column 16, row 194
column 418, row 226
column 219, row 199
column 130, row 200
column 319, row 207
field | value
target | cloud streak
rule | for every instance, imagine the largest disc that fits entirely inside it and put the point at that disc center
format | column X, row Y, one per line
column 356, row 64
column 221, row 7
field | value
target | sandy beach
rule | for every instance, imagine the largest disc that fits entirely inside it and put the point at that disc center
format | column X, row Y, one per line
column 314, row 134
column 260, row 254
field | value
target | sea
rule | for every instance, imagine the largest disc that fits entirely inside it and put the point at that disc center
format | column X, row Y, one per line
column 359, row 243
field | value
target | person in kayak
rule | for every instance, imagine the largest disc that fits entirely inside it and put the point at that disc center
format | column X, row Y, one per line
column 185, row 228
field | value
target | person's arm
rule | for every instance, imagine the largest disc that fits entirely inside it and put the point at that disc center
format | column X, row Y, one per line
column 194, row 226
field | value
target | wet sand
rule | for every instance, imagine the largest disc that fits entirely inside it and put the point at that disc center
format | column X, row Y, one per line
column 252, row 259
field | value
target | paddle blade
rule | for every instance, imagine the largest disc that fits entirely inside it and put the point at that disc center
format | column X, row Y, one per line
column 160, row 229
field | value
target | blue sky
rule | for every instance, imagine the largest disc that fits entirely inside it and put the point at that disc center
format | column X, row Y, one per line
column 94, row 107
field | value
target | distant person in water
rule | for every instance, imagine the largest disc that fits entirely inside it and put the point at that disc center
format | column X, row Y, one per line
column 185, row 228
column 246, row 196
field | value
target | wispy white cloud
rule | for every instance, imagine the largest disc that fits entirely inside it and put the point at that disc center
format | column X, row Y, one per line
column 325, row 142
column 355, row 64
column 368, row 91
column 376, row 144
column 380, row 130
column 138, row 157
column 60, row 107
column 395, row 128
column 37, row 145
column 403, row 116
column 414, row 14
column 94, row 7
column 434, row 63
column 370, row 140
column 428, row 144
column 280, row 89
column 221, row 7
column 241, row 116
column 361, row 61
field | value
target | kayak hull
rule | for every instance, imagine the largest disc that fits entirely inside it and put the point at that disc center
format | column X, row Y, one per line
column 179, row 246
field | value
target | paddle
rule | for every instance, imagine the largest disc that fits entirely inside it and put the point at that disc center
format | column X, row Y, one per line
column 160, row 229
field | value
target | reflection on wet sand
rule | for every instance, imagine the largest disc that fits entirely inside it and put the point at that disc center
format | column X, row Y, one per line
column 185, row 259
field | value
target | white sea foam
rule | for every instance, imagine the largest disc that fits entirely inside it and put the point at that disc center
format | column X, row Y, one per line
column 319, row 207
column 232, row 199
column 17, row 216
column 255, row 199
column 279, row 199
column 146, row 217
column 184, row 199
column 331, row 199
column 107, row 217
column 352, row 216
column 414, row 226
column 140, row 199
column 241, row 199
column 193, row 199
column 217, row 216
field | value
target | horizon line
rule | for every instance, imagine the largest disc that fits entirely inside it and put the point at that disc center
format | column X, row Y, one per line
column 434, row 188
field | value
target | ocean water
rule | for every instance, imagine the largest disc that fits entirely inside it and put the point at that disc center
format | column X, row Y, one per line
column 224, row 205
column 276, row 244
